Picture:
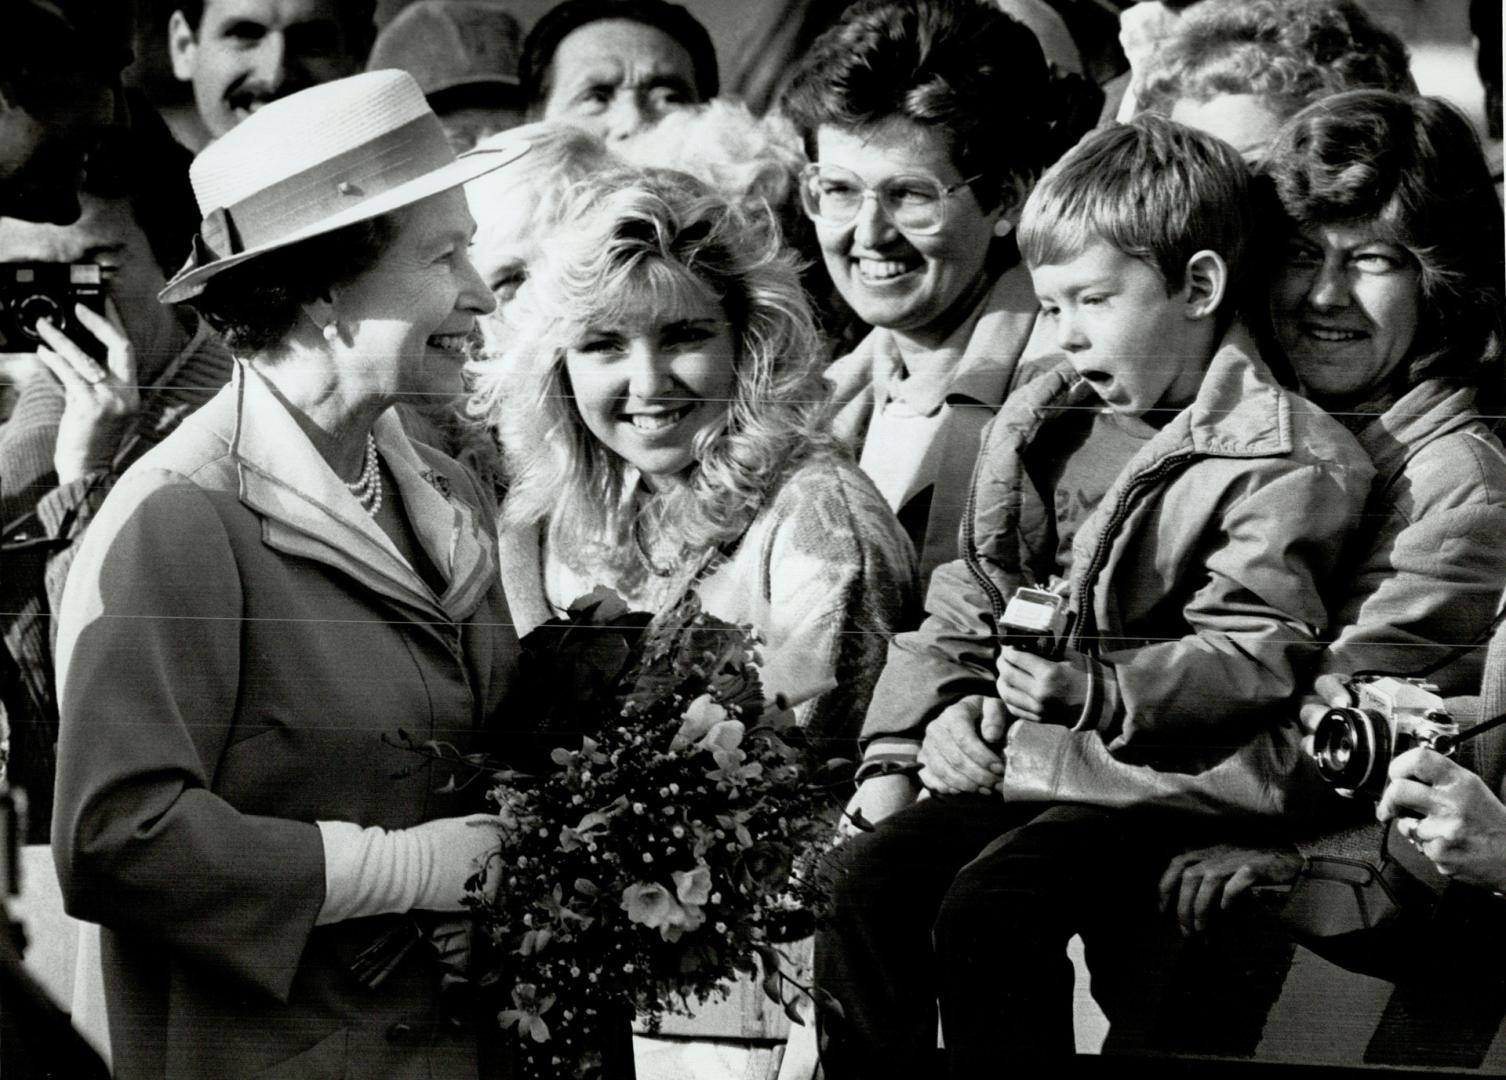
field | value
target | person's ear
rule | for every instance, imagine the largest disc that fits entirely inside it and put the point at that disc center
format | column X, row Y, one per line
column 1011, row 201
column 182, row 46
column 1204, row 284
column 321, row 313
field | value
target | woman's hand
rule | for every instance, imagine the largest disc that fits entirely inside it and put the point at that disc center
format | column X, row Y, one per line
column 1045, row 691
column 956, row 757
column 99, row 401
column 1329, row 692
column 1450, row 815
column 876, row 798
column 1198, row 883
column 375, row 871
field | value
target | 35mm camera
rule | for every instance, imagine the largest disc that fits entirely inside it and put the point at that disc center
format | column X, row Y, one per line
column 1354, row 746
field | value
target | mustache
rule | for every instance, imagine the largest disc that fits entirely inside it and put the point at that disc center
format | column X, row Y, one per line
column 243, row 95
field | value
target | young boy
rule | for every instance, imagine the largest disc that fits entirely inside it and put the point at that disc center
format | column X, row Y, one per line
column 1189, row 507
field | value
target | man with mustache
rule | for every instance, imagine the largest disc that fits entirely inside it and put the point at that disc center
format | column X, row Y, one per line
column 241, row 54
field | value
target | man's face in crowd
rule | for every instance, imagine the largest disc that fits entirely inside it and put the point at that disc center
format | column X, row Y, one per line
column 245, row 53
column 45, row 138
column 616, row 77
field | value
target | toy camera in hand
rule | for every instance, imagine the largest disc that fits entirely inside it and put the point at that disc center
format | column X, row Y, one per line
column 1354, row 746
column 32, row 291
column 1035, row 620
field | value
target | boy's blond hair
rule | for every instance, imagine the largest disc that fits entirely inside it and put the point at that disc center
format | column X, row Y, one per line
column 1151, row 188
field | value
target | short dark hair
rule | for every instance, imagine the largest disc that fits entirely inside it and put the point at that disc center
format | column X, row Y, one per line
column 561, row 20
column 356, row 16
column 962, row 67
column 254, row 306
column 143, row 164
column 1289, row 52
column 1415, row 165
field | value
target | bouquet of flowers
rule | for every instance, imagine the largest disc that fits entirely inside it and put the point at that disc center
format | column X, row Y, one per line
column 669, row 842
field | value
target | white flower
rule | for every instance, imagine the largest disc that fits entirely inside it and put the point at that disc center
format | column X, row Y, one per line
column 701, row 715
column 651, row 905
column 724, row 735
column 648, row 903
column 693, row 886
column 686, row 917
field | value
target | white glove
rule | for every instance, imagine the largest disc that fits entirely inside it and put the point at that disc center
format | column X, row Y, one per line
column 373, row 871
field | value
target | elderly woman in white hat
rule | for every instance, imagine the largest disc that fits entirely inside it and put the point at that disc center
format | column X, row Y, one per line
column 282, row 582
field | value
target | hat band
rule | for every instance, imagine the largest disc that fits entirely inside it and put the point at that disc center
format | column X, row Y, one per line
column 303, row 200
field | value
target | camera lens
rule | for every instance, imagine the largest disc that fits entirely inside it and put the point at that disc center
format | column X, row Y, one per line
column 1345, row 746
column 36, row 306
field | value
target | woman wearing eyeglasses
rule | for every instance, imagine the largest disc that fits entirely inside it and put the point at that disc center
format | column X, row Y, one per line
column 923, row 122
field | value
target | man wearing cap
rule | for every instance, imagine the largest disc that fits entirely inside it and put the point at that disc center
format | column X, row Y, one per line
column 241, row 54
column 615, row 67
column 464, row 56
column 60, row 63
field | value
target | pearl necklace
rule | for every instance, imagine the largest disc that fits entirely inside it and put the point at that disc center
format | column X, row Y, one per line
column 368, row 486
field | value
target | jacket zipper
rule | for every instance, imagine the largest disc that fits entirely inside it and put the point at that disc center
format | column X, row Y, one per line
column 970, row 552
column 1084, row 585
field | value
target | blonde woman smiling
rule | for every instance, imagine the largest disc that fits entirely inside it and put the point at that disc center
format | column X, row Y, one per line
column 658, row 413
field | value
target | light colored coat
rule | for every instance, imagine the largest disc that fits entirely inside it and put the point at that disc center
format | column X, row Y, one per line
column 1196, row 581
column 237, row 638
column 823, row 573
column 1429, row 552
column 997, row 336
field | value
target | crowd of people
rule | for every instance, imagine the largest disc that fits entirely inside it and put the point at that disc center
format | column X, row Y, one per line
column 1070, row 469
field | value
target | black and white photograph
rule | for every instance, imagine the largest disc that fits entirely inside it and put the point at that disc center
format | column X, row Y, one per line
column 752, row 539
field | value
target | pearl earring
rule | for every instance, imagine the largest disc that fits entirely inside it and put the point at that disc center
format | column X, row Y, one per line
column 331, row 331
column 1003, row 227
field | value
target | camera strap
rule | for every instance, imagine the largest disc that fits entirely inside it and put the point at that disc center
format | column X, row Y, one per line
column 1446, row 743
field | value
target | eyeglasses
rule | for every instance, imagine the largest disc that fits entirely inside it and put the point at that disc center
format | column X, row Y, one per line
column 833, row 196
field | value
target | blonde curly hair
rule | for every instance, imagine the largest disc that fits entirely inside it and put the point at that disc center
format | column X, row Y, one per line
column 630, row 240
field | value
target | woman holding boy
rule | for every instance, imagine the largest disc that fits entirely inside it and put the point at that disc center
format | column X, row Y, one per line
column 1191, row 506
column 1387, row 303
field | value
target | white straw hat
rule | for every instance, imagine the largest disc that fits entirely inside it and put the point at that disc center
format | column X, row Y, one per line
column 316, row 161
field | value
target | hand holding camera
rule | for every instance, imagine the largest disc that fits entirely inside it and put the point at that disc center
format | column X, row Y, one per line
column 1042, row 691
column 1450, row 815
column 31, row 291
column 1035, row 681
column 100, row 398
column 1354, row 743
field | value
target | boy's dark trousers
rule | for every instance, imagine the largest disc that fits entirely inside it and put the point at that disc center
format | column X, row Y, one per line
column 971, row 901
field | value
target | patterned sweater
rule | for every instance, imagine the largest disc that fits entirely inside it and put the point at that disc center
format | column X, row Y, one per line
column 824, row 574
